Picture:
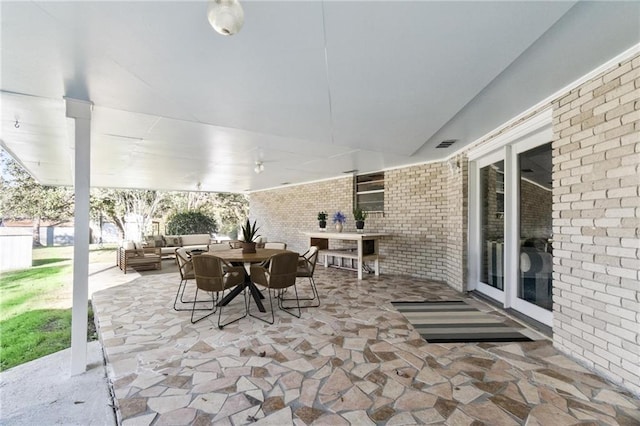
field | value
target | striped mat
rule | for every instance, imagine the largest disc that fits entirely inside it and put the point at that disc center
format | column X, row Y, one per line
column 456, row 321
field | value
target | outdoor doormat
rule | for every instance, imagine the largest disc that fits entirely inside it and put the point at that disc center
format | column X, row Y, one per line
column 457, row 322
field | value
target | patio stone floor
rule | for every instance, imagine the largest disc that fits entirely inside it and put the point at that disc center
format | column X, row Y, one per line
column 353, row 361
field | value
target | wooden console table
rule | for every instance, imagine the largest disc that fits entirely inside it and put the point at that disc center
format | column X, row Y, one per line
column 367, row 247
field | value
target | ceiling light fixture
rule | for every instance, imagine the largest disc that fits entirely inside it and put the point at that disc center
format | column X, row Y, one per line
column 225, row 16
column 259, row 167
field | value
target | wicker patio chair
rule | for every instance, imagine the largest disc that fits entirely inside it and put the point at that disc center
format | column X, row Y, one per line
column 280, row 275
column 214, row 275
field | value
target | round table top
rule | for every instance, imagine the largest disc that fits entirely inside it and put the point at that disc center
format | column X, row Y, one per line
column 236, row 255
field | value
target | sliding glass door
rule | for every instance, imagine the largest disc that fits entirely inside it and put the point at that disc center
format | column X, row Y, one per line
column 510, row 225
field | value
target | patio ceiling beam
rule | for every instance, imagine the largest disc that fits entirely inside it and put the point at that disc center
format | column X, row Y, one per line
column 80, row 113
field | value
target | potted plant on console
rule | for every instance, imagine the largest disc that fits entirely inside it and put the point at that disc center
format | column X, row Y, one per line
column 322, row 220
column 249, row 233
column 339, row 219
column 359, row 215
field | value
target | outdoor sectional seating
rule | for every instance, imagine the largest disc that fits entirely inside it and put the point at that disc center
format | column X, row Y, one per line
column 169, row 243
column 132, row 255
column 149, row 255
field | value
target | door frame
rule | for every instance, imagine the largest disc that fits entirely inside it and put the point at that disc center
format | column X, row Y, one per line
column 475, row 227
column 535, row 139
column 535, row 131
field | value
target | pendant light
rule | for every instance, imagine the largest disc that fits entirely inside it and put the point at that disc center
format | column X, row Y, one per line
column 225, row 16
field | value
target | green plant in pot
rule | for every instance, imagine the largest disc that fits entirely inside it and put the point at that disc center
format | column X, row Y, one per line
column 359, row 215
column 249, row 233
column 322, row 220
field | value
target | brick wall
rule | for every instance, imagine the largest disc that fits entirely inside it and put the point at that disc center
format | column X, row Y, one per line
column 596, row 211
column 416, row 216
column 423, row 212
column 494, row 216
column 535, row 206
column 284, row 214
column 457, row 224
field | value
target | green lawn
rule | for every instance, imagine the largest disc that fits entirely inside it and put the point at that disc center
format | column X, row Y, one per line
column 30, row 289
column 34, row 334
column 31, row 322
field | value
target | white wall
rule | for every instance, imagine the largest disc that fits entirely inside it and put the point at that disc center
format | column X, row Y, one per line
column 15, row 249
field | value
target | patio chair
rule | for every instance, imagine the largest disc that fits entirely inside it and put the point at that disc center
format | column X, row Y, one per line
column 214, row 276
column 235, row 244
column 185, row 267
column 218, row 247
column 306, row 267
column 142, row 258
column 280, row 275
column 275, row 245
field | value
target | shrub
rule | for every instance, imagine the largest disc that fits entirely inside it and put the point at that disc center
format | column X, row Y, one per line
column 193, row 222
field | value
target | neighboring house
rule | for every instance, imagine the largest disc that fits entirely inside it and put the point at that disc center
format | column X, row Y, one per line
column 50, row 233
column 565, row 172
column 61, row 234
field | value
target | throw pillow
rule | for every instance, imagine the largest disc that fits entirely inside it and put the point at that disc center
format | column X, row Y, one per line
column 172, row 241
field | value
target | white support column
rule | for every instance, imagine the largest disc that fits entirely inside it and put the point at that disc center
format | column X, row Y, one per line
column 80, row 111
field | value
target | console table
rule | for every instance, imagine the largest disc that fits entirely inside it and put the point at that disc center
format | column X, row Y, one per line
column 367, row 244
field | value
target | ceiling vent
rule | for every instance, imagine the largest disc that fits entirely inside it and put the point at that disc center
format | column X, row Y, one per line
column 350, row 171
column 447, row 143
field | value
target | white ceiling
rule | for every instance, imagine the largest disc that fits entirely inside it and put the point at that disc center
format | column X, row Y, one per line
column 312, row 89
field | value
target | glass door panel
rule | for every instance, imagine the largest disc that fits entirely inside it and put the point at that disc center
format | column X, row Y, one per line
column 510, row 221
column 536, row 256
column 492, row 225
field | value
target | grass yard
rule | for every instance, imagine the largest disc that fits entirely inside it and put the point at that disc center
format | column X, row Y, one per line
column 34, row 317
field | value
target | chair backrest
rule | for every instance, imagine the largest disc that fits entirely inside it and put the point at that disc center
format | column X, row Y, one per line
column 218, row 247
column 209, row 272
column 283, row 268
column 275, row 245
column 184, row 264
column 311, row 257
column 235, row 244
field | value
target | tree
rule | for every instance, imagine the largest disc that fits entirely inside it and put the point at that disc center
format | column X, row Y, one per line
column 21, row 197
column 123, row 206
column 193, row 222
column 229, row 210
column 233, row 209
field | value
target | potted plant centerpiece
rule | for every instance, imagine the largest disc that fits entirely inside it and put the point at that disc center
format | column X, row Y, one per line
column 359, row 215
column 339, row 219
column 322, row 220
column 249, row 233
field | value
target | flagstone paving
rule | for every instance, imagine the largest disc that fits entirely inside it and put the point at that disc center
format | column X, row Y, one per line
column 353, row 361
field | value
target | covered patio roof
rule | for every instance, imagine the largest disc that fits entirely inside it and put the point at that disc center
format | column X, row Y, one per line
column 311, row 89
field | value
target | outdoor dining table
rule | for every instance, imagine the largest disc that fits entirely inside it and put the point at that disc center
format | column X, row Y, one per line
column 237, row 256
